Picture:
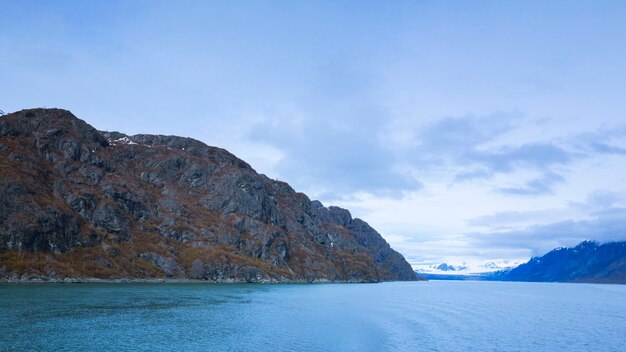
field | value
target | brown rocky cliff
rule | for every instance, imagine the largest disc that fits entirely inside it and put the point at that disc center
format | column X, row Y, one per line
column 77, row 202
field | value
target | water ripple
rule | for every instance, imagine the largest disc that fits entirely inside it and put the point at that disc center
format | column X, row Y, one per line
column 416, row 316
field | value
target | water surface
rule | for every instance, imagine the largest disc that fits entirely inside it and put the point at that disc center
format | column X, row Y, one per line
column 402, row 316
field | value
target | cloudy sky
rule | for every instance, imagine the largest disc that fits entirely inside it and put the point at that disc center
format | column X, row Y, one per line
column 462, row 131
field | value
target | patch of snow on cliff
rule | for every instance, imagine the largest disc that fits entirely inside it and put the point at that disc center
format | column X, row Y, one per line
column 123, row 140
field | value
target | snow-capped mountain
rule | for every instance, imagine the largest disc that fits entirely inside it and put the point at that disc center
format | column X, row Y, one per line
column 448, row 267
column 469, row 268
column 589, row 261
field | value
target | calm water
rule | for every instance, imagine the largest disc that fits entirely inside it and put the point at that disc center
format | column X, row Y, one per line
column 429, row 316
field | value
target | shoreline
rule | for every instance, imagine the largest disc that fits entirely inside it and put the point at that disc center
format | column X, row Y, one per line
column 178, row 281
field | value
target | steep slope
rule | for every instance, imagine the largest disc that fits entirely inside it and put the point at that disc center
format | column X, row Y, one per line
column 587, row 262
column 76, row 202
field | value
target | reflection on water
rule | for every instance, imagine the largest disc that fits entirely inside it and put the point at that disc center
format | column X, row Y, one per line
column 436, row 316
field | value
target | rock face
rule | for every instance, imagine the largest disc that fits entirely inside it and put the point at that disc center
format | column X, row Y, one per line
column 587, row 262
column 77, row 202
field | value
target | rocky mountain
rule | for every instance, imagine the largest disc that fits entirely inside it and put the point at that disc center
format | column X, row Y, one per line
column 587, row 262
column 80, row 203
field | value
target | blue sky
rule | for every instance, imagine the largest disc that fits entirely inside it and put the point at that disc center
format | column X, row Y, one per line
column 462, row 131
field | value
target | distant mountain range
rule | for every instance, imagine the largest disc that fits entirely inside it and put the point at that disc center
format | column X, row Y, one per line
column 466, row 269
column 589, row 261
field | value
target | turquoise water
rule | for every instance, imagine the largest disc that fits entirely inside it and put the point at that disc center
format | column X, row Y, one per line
column 411, row 316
